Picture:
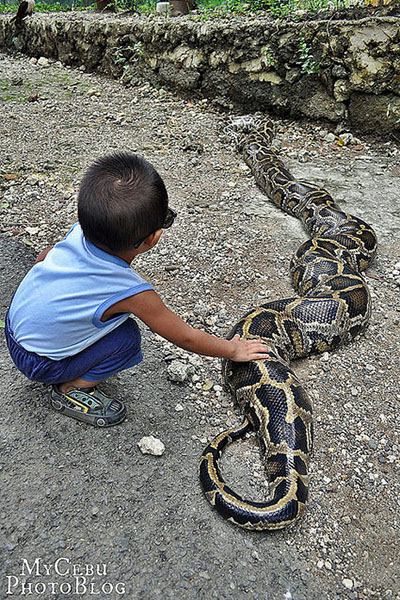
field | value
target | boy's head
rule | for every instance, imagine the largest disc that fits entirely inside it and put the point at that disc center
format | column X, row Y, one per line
column 122, row 199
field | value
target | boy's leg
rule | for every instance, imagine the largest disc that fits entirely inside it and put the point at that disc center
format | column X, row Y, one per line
column 116, row 351
column 78, row 396
column 77, row 383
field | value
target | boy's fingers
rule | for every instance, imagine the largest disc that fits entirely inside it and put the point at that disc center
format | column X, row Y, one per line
column 260, row 345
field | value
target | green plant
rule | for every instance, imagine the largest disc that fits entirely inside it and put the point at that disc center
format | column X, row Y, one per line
column 209, row 9
column 268, row 57
column 308, row 63
column 48, row 6
column 124, row 54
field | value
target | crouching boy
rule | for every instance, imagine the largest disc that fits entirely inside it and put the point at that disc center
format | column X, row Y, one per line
column 69, row 321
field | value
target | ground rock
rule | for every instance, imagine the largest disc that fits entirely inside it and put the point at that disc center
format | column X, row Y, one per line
column 179, row 371
column 151, row 445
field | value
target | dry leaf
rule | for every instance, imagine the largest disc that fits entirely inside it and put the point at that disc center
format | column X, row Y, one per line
column 207, row 385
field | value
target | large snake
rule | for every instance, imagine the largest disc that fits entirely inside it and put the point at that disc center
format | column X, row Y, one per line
column 333, row 305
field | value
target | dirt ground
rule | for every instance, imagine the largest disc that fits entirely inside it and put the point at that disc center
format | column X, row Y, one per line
column 73, row 497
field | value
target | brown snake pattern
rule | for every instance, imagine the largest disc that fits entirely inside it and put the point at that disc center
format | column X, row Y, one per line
column 333, row 305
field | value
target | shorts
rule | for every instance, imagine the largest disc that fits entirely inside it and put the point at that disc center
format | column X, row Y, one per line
column 118, row 350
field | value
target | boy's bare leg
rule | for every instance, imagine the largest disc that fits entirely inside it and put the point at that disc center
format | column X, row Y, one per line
column 76, row 383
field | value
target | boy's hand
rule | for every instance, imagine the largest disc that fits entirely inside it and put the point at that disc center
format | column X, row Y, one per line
column 245, row 350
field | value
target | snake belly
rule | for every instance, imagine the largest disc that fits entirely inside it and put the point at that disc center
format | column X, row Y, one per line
column 332, row 306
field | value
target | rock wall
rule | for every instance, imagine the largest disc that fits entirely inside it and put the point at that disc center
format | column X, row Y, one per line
column 343, row 71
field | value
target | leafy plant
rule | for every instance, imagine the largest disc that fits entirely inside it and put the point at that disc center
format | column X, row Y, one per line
column 268, row 56
column 125, row 54
column 308, row 63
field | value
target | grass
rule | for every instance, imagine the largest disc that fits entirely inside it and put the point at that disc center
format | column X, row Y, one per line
column 208, row 8
column 41, row 6
column 277, row 7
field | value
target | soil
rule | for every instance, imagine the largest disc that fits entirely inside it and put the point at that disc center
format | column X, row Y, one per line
column 82, row 496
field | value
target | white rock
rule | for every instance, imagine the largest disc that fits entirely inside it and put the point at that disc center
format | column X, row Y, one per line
column 325, row 356
column 179, row 408
column 32, row 179
column 32, row 230
column 348, row 583
column 33, row 60
column 330, row 137
column 43, row 62
column 151, row 445
column 178, row 371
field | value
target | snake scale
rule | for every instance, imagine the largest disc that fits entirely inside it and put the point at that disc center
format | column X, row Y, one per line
column 333, row 305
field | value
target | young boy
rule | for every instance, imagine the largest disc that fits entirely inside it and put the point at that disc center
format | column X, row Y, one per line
column 68, row 323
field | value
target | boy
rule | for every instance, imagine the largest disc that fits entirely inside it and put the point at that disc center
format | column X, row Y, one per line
column 68, row 323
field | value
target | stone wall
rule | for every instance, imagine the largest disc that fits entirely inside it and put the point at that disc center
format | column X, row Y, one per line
column 343, row 71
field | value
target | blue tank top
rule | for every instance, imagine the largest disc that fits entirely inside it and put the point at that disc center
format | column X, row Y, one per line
column 57, row 308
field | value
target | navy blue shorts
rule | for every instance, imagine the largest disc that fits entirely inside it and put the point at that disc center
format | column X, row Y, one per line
column 118, row 350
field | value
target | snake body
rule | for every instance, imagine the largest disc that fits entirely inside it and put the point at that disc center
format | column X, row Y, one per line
column 333, row 305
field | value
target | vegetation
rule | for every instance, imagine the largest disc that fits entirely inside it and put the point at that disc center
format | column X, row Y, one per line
column 209, row 8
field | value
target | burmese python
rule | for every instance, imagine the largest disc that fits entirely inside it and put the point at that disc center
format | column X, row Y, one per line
column 333, row 306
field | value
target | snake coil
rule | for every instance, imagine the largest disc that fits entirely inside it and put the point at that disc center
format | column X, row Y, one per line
column 332, row 307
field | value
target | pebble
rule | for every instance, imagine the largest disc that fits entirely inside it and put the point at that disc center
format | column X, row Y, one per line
column 179, row 407
column 151, row 445
column 171, row 267
column 179, row 371
column 43, row 62
column 346, row 520
column 348, row 583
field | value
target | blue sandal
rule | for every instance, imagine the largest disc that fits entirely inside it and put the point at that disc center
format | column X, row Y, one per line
column 89, row 405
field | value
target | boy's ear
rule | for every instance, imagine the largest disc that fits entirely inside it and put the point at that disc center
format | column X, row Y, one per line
column 153, row 238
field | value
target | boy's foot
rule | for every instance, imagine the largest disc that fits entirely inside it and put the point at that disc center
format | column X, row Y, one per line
column 89, row 405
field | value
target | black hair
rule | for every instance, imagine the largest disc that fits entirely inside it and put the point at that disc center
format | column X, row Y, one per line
column 122, row 199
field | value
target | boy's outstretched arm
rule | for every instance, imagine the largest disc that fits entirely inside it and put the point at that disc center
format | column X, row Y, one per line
column 149, row 307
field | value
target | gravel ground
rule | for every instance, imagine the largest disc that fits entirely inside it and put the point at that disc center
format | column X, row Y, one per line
column 84, row 496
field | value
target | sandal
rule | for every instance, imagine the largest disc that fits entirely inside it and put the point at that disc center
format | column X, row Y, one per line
column 89, row 405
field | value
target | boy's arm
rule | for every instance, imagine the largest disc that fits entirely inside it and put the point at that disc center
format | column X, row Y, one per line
column 43, row 254
column 149, row 307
